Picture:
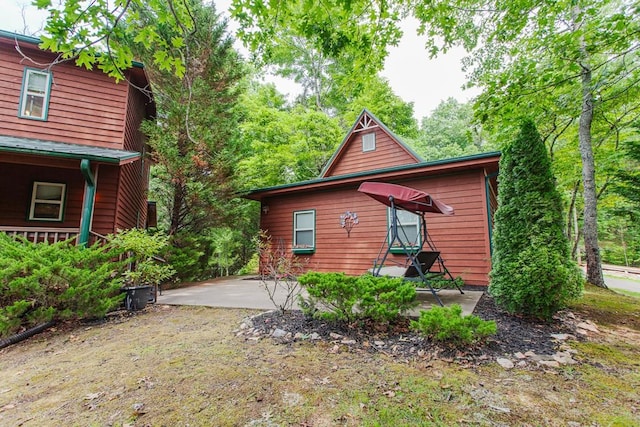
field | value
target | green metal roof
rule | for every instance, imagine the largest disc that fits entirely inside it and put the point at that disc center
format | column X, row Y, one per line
column 12, row 144
column 448, row 161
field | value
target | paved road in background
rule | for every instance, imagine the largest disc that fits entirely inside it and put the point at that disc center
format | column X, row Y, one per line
column 628, row 283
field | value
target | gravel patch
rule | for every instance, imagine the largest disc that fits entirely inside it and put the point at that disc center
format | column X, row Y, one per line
column 525, row 341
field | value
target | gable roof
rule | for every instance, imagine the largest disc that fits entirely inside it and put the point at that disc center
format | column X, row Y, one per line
column 366, row 121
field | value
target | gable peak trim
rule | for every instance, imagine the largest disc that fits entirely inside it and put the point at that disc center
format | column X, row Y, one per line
column 365, row 122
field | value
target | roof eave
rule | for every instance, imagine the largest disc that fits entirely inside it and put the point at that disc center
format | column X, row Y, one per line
column 395, row 173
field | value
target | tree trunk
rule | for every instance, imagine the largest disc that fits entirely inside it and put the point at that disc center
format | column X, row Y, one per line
column 176, row 209
column 590, row 225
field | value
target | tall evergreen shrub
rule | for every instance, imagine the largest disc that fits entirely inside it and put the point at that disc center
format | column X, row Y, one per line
column 533, row 273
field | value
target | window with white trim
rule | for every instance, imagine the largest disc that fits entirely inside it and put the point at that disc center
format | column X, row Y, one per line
column 408, row 228
column 47, row 201
column 369, row 142
column 34, row 100
column 304, row 230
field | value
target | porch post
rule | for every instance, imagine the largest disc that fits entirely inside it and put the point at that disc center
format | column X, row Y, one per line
column 87, row 208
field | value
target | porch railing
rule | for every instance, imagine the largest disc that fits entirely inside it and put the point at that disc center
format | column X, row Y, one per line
column 41, row 234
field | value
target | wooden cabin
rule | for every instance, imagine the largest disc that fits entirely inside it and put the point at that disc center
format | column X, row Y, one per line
column 306, row 216
column 72, row 156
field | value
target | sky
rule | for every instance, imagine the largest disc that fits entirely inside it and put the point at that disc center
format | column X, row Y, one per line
column 412, row 75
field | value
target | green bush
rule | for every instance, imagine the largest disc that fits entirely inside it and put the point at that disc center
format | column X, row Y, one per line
column 43, row 282
column 447, row 324
column 338, row 297
column 143, row 250
column 532, row 271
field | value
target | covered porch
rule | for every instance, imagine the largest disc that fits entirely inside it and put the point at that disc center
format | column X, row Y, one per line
column 52, row 191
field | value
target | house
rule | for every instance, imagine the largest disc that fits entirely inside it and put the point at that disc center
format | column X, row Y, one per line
column 72, row 156
column 305, row 217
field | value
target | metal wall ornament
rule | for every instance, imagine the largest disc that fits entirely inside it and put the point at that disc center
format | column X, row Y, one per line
column 348, row 220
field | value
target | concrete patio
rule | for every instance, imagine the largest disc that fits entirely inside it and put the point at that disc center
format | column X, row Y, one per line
column 248, row 292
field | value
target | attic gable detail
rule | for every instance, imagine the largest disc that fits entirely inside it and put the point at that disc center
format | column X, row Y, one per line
column 365, row 122
column 368, row 146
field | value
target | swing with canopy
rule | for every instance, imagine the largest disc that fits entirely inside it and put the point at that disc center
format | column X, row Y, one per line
column 422, row 264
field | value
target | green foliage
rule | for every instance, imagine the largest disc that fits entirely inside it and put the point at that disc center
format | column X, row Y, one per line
column 350, row 298
column 252, row 266
column 384, row 299
column 283, row 144
column 376, row 95
column 187, row 255
column 196, row 144
column 450, row 131
column 532, row 272
column 144, row 250
column 217, row 251
column 43, row 282
column 447, row 324
column 93, row 34
column 354, row 33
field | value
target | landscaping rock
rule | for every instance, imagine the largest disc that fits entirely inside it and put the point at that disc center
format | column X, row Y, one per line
column 279, row 333
column 588, row 326
column 564, row 358
column 505, row 363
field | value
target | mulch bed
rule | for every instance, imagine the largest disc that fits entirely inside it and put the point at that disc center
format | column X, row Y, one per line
column 515, row 334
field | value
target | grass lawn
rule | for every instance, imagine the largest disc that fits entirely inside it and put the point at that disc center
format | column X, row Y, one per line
column 185, row 366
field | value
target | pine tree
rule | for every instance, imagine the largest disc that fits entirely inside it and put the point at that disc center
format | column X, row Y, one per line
column 533, row 273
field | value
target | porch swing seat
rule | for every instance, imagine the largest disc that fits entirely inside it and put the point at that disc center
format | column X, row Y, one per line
column 425, row 259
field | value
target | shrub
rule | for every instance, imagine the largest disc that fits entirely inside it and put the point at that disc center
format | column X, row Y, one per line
column 532, row 272
column 143, row 249
column 384, row 299
column 43, row 282
column 447, row 324
column 335, row 292
column 338, row 297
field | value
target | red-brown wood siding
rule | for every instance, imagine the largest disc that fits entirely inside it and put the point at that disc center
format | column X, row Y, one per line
column 461, row 238
column 134, row 177
column 85, row 107
column 352, row 159
column 105, row 203
column 15, row 194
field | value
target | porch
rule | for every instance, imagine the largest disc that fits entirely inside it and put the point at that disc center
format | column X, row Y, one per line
column 49, row 234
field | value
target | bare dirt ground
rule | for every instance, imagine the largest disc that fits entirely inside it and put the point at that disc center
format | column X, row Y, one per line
column 196, row 366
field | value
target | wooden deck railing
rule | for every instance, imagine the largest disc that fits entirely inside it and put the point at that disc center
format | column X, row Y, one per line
column 41, row 234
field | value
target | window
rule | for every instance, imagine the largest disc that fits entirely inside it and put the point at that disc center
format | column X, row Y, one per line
column 368, row 142
column 34, row 101
column 408, row 229
column 47, row 201
column 304, row 231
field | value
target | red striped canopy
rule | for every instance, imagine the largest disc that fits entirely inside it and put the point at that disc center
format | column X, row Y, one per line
column 405, row 198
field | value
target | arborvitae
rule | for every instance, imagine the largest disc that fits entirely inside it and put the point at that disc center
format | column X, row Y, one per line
column 532, row 273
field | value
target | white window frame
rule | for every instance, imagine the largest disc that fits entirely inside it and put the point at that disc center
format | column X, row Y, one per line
column 368, row 142
column 297, row 229
column 409, row 245
column 25, row 93
column 59, row 203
